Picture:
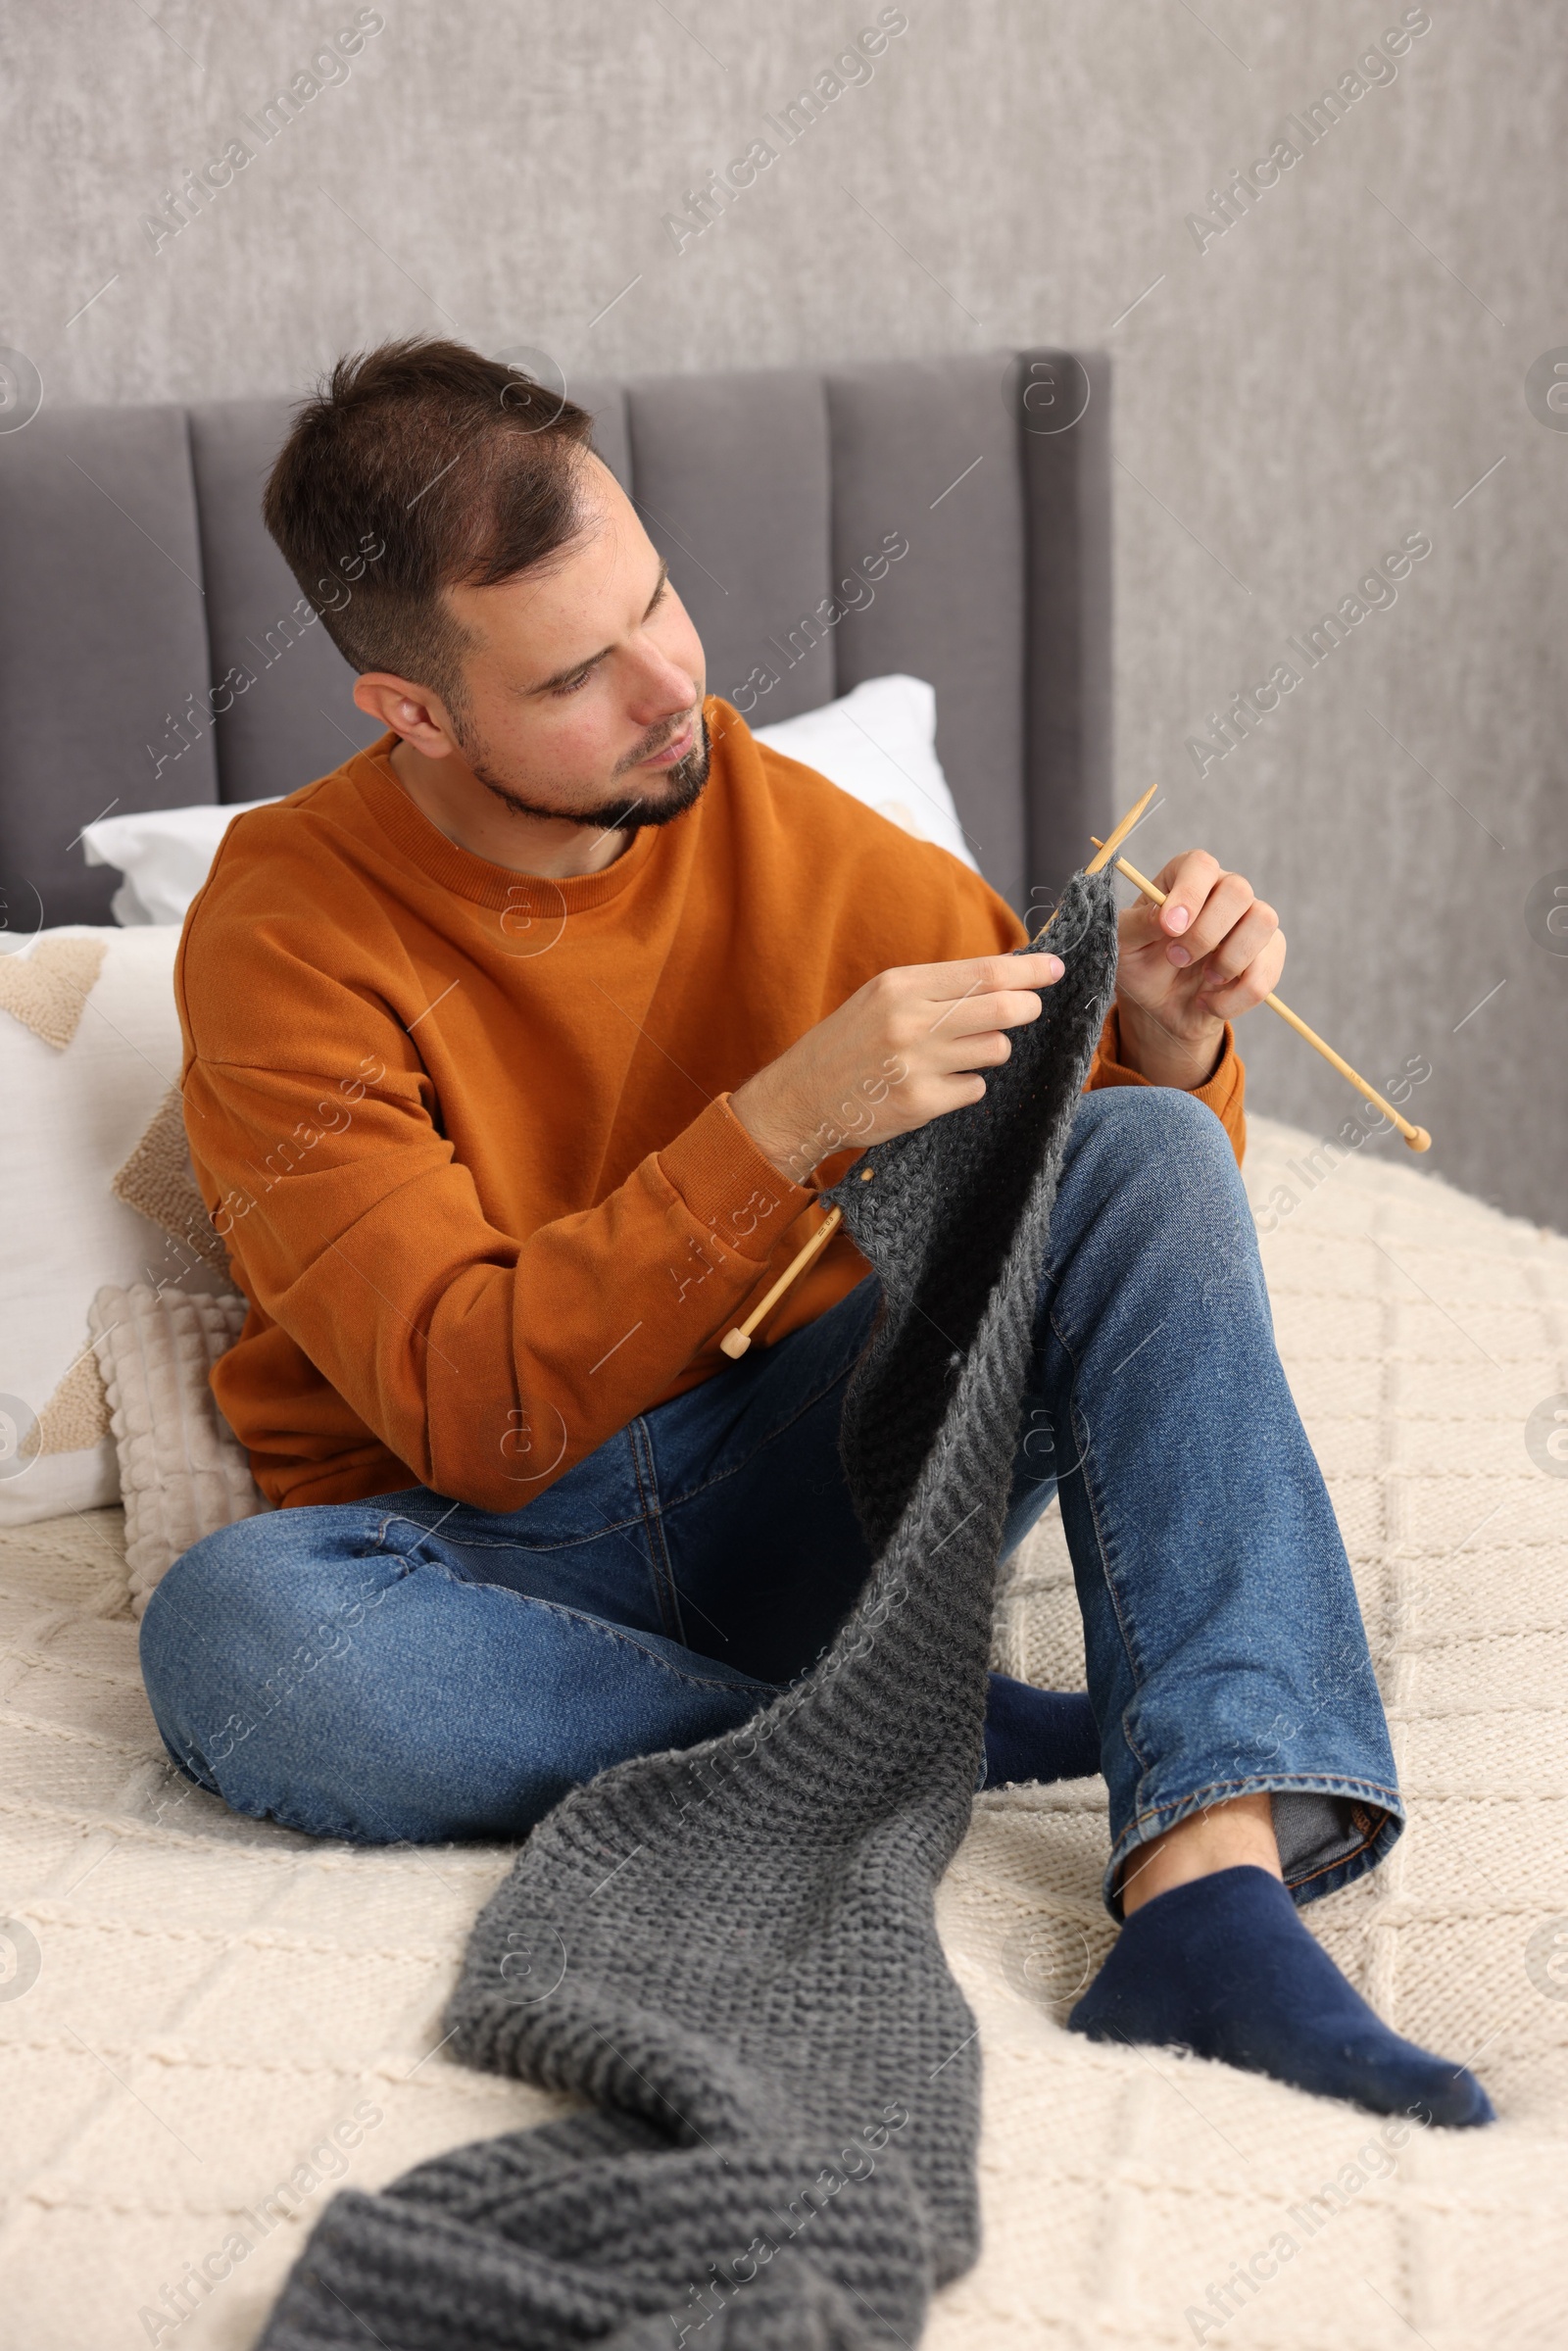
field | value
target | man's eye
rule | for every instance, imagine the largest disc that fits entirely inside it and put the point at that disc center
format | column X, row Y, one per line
column 574, row 684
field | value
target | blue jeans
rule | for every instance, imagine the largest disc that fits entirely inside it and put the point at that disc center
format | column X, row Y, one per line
column 408, row 1668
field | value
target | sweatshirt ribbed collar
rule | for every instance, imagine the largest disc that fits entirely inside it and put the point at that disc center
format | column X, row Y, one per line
column 469, row 876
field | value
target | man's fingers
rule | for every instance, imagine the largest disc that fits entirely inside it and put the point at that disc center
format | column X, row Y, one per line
column 1245, row 941
column 1227, row 902
column 975, row 975
column 1186, row 880
column 986, row 1050
column 1139, row 926
column 1233, row 997
column 973, row 1015
column 959, row 998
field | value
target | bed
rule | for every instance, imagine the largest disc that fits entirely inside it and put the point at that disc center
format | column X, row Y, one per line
column 209, row 2023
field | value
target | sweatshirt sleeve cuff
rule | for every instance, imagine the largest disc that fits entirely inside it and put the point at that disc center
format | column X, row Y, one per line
column 1224, row 1091
column 729, row 1185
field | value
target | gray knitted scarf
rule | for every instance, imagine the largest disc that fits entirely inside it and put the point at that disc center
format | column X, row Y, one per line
column 729, row 1952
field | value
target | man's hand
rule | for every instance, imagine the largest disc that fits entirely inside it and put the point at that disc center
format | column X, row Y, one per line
column 1209, row 954
column 902, row 1050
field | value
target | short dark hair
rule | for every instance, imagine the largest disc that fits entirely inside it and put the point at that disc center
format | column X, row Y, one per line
column 418, row 465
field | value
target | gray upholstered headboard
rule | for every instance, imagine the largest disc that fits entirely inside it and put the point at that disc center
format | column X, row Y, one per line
column 135, row 578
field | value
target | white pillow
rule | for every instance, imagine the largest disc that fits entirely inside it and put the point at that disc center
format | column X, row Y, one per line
column 164, row 853
column 879, row 744
column 89, row 1049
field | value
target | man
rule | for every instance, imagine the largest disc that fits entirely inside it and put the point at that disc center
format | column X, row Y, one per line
column 515, row 1053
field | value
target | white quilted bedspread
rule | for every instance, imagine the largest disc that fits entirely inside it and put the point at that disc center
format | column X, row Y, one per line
column 191, row 2002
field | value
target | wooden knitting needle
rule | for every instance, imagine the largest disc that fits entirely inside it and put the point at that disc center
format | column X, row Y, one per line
column 1106, row 848
column 736, row 1343
column 1416, row 1138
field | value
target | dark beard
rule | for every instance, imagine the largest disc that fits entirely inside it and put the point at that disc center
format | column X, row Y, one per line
column 627, row 811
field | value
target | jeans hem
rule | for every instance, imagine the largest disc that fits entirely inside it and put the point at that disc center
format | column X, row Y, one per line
column 1302, row 1886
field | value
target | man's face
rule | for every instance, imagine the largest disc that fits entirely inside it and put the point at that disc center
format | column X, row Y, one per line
column 584, row 685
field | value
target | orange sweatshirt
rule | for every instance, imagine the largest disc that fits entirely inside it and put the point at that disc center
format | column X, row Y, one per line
column 466, row 1132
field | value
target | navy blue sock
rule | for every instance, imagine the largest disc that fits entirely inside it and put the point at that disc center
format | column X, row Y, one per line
column 1224, row 1965
column 1038, row 1734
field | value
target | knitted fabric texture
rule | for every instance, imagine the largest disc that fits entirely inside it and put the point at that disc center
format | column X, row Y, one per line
column 730, row 1951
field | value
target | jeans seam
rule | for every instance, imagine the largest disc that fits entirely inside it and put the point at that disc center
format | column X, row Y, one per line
column 489, row 1543
column 594, row 1624
column 660, row 1567
column 805, row 1405
column 601, row 1625
column 1129, row 1647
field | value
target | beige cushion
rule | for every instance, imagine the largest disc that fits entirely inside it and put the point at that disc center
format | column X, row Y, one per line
column 95, row 1187
column 182, row 1470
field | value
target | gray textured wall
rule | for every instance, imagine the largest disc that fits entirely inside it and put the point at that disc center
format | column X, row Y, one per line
column 1344, row 366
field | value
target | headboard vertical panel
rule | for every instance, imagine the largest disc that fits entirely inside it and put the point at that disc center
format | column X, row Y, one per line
column 103, row 647
column 926, row 452
column 1063, row 403
column 606, row 402
column 283, row 691
column 732, row 483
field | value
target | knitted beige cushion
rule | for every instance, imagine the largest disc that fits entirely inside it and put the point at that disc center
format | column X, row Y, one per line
column 182, row 1470
column 47, row 991
column 157, row 1180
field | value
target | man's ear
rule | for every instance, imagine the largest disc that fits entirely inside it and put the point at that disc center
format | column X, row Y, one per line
column 409, row 710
